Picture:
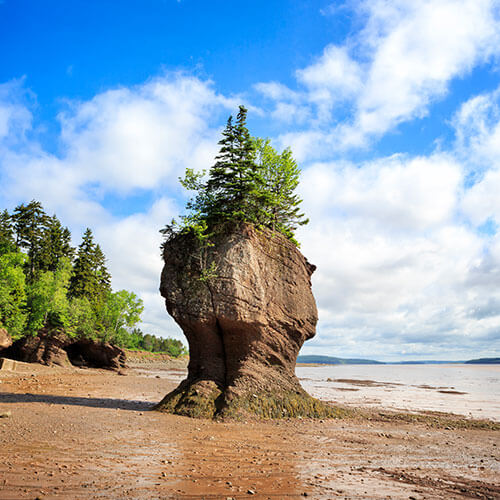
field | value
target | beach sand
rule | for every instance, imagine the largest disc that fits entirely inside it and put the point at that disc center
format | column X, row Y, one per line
column 84, row 434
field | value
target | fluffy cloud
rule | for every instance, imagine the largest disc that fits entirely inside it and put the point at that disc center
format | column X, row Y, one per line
column 138, row 266
column 389, row 72
column 398, row 271
column 477, row 125
column 121, row 141
column 417, row 48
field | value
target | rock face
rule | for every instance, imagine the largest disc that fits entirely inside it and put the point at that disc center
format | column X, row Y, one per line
column 53, row 347
column 5, row 340
column 96, row 355
column 245, row 326
column 47, row 348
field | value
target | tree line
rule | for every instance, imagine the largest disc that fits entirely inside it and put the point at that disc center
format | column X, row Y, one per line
column 249, row 182
column 46, row 282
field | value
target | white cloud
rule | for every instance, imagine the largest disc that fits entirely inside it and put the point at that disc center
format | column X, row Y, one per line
column 477, row 125
column 15, row 118
column 398, row 270
column 389, row 72
column 137, row 138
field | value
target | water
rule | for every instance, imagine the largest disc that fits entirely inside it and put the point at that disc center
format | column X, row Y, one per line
column 471, row 390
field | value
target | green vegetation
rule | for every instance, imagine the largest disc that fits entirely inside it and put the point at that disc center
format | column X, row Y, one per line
column 249, row 182
column 45, row 282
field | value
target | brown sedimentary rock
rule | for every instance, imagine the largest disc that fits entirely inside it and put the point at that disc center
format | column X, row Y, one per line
column 5, row 339
column 47, row 348
column 53, row 347
column 93, row 354
column 245, row 326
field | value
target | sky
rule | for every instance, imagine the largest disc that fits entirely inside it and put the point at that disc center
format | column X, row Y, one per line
column 391, row 109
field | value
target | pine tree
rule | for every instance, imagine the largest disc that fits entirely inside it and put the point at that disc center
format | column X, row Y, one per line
column 29, row 225
column 234, row 179
column 56, row 244
column 90, row 277
column 7, row 242
column 249, row 182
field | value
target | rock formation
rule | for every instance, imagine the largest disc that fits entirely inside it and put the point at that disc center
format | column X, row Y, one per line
column 47, row 348
column 245, row 325
column 53, row 347
column 96, row 355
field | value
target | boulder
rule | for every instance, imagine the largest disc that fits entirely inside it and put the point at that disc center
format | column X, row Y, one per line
column 246, row 307
column 5, row 339
column 93, row 354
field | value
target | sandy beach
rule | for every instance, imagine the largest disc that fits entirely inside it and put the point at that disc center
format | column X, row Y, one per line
column 80, row 434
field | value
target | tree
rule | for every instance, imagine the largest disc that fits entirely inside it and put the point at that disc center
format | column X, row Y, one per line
column 234, row 179
column 29, row 225
column 7, row 242
column 121, row 310
column 249, row 182
column 48, row 298
column 90, row 277
column 55, row 244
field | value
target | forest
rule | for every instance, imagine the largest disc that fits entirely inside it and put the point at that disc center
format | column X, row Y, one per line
column 47, row 283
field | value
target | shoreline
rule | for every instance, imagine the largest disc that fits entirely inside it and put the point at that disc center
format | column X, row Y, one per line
column 82, row 434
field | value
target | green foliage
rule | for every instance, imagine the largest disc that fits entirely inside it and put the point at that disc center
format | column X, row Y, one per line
column 135, row 339
column 82, row 321
column 279, row 204
column 48, row 298
column 250, row 182
column 121, row 310
column 13, row 293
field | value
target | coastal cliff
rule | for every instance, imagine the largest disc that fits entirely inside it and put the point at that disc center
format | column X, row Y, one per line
column 245, row 323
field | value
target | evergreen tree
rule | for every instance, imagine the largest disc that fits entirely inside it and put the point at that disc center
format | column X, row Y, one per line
column 56, row 244
column 7, row 242
column 250, row 182
column 90, row 277
column 29, row 225
column 234, row 180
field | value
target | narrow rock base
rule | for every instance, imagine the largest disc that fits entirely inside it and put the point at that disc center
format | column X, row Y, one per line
column 205, row 399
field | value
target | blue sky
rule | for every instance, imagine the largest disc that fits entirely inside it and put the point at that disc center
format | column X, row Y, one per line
column 391, row 109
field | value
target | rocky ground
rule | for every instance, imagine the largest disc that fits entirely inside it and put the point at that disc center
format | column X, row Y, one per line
column 81, row 433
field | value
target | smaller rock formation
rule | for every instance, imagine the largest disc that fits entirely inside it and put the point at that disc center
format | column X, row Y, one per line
column 245, row 325
column 54, row 347
column 96, row 355
column 47, row 348
column 5, row 339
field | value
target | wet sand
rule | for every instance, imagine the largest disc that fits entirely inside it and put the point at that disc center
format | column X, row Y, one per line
column 84, row 434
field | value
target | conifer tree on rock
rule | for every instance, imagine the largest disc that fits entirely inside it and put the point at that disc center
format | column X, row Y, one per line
column 239, row 288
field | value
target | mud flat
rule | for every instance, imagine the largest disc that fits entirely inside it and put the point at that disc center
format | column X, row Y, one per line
column 83, row 434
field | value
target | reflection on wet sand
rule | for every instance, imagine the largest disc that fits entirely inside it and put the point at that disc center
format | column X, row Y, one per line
column 89, row 434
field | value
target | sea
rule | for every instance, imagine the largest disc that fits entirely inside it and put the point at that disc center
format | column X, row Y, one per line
column 463, row 389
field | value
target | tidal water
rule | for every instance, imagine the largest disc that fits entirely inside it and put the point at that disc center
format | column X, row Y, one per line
column 470, row 390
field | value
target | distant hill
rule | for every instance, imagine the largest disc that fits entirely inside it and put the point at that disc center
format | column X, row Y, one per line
column 484, row 361
column 329, row 360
